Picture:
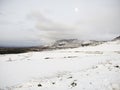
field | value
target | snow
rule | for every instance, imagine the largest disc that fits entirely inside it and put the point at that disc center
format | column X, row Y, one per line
column 83, row 68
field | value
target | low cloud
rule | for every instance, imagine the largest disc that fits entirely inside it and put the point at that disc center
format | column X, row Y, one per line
column 34, row 23
column 50, row 30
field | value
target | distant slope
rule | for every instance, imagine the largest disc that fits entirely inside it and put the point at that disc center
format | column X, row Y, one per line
column 59, row 44
column 117, row 38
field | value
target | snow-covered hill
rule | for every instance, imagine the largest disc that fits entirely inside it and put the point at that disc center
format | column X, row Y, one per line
column 58, row 44
column 73, row 43
column 83, row 68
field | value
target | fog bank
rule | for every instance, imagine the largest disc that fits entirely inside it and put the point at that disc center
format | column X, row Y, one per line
column 38, row 22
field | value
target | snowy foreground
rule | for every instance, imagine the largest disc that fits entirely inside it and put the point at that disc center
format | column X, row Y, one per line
column 83, row 68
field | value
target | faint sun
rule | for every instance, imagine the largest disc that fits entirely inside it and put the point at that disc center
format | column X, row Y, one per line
column 76, row 9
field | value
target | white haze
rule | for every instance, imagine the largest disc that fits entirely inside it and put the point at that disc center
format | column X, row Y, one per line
column 38, row 22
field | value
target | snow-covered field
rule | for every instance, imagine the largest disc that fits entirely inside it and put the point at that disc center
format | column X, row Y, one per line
column 83, row 68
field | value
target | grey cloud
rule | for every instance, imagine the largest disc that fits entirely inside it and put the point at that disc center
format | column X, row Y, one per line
column 27, row 21
column 87, row 30
column 51, row 30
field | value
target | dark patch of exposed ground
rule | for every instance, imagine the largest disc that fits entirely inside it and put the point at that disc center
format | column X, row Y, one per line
column 15, row 50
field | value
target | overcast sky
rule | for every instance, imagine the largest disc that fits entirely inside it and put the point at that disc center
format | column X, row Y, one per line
column 36, row 22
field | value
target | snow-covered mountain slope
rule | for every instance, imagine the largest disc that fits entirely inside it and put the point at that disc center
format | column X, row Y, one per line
column 83, row 68
column 73, row 43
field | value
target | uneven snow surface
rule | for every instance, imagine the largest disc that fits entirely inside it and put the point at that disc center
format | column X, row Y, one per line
column 83, row 68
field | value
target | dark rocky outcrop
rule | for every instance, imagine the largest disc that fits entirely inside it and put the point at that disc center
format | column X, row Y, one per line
column 117, row 38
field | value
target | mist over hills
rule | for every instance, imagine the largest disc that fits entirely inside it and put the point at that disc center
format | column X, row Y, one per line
column 36, row 22
column 59, row 44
